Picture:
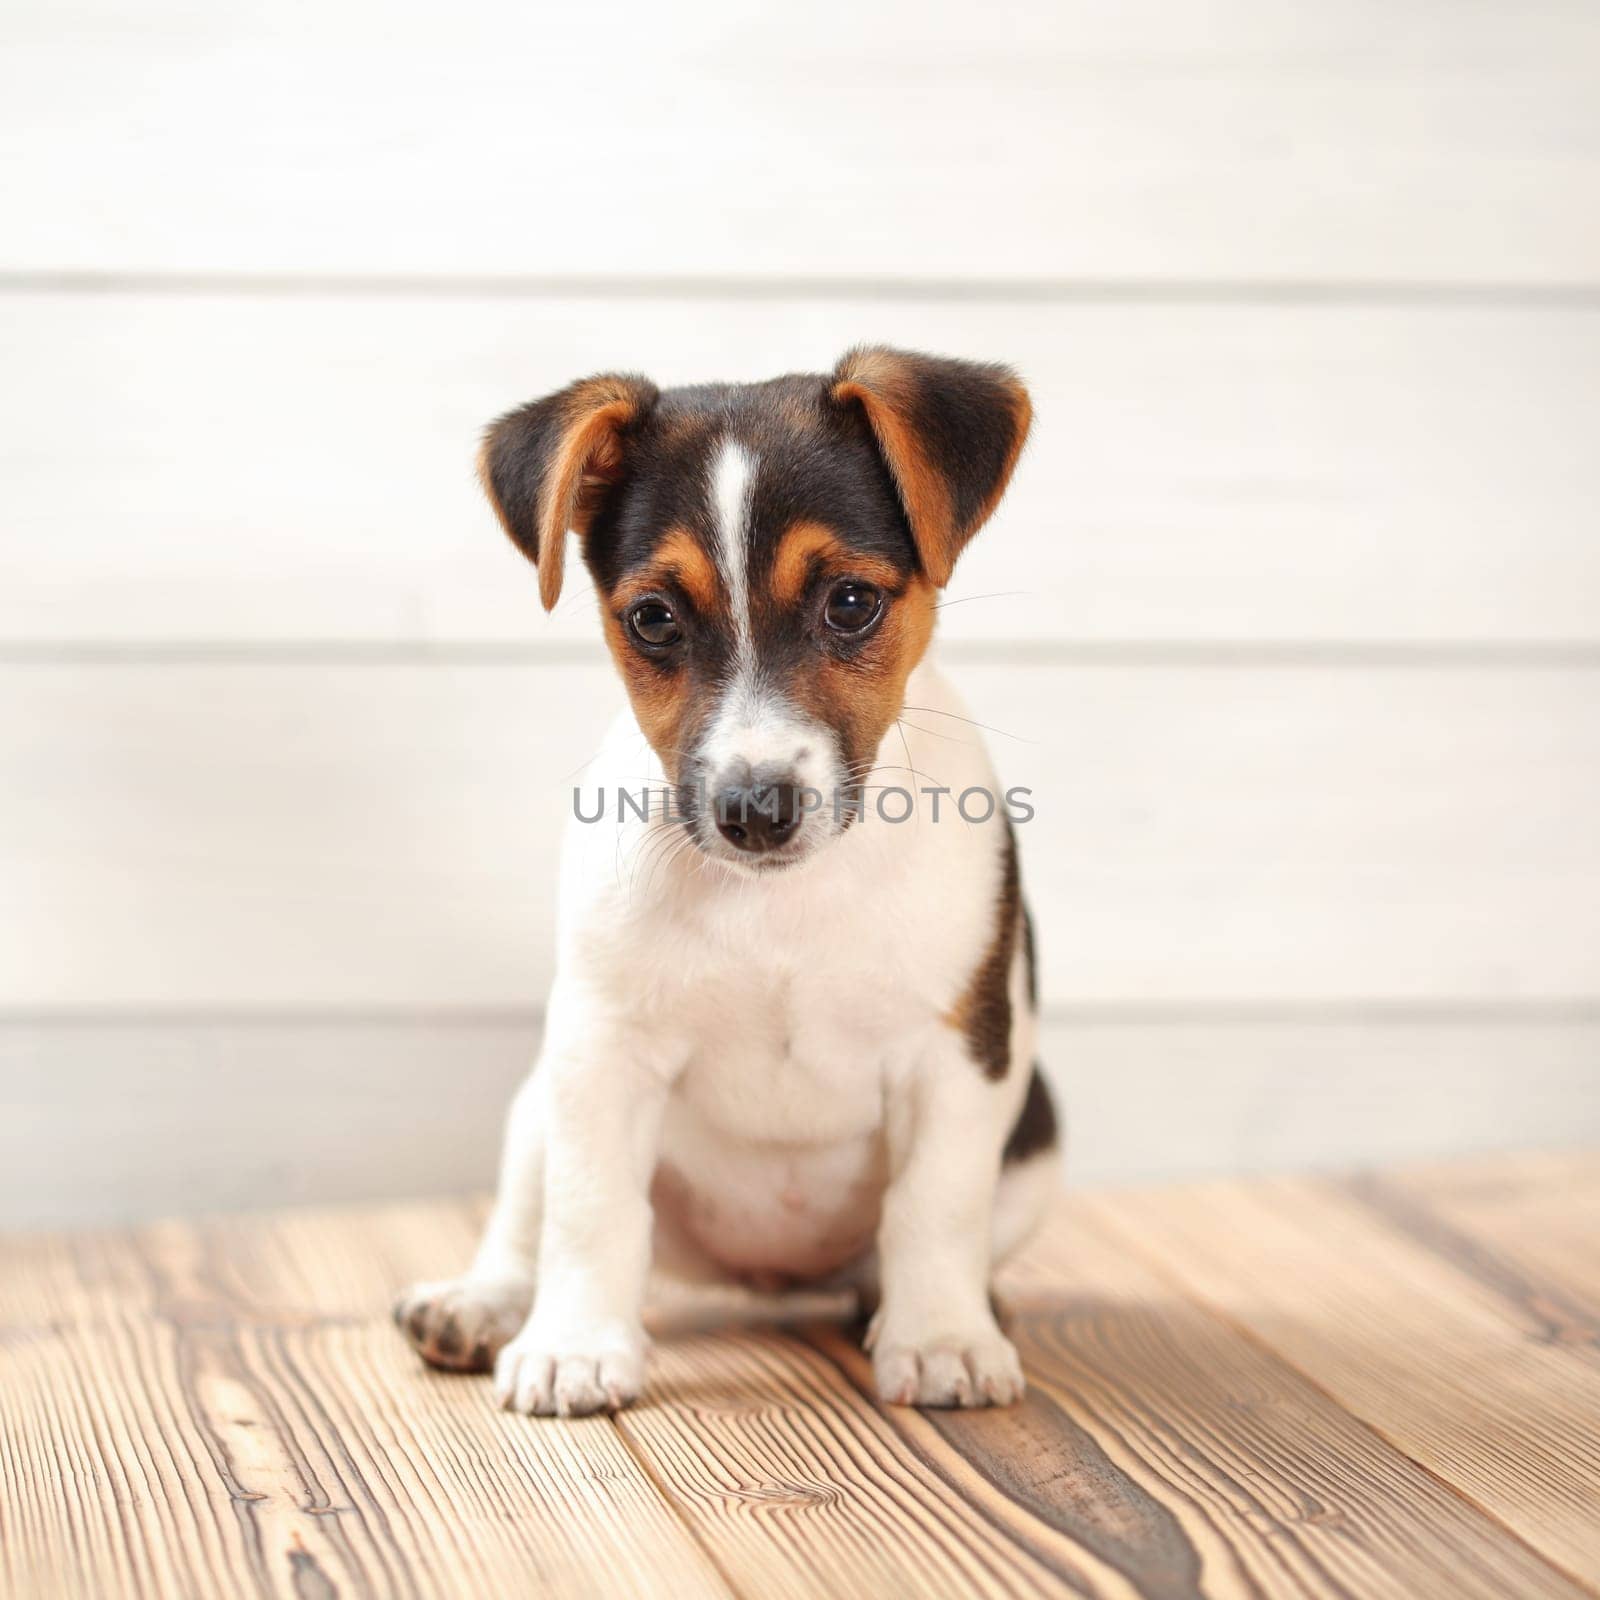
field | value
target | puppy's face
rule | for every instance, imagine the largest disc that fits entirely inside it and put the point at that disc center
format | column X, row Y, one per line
column 767, row 558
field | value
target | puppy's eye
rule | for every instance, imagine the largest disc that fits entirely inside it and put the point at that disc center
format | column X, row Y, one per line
column 654, row 624
column 852, row 607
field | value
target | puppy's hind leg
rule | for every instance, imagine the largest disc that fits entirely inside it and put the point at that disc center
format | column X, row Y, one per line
column 1032, row 1170
column 461, row 1324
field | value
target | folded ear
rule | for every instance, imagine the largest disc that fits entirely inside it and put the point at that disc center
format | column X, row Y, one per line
column 951, row 432
column 546, row 466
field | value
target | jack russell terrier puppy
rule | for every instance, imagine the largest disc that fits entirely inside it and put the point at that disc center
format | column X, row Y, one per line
column 790, row 1038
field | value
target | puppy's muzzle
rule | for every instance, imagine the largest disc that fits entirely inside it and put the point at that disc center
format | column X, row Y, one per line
column 758, row 812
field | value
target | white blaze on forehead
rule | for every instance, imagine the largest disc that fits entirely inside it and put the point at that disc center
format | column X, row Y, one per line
column 732, row 478
column 754, row 725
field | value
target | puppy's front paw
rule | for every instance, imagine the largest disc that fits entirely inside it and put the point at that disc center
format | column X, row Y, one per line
column 978, row 1371
column 570, row 1376
column 460, row 1324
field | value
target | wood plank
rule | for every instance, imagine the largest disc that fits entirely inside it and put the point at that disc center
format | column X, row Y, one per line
column 222, row 1408
column 379, row 836
column 1189, row 1459
column 300, row 470
column 1525, row 1224
column 800, row 1488
column 121, row 1121
column 1252, row 139
column 218, row 1411
column 1444, row 1364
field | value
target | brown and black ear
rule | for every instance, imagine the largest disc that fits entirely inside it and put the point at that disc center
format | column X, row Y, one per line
column 546, row 466
column 951, row 432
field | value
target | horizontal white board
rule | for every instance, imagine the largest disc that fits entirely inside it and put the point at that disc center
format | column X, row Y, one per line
column 116, row 1123
column 244, row 469
column 1277, row 139
column 384, row 836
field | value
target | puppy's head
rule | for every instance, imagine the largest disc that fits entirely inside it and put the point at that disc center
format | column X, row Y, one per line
column 767, row 558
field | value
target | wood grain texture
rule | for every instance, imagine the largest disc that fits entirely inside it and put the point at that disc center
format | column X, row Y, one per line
column 1260, row 473
column 1201, row 1462
column 800, row 1487
column 346, row 836
column 223, row 1408
column 205, row 1411
column 131, row 1118
column 1526, row 1224
column 1254, row 139
column 1418, row 1329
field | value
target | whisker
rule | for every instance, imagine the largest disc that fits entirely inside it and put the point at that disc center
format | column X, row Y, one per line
column 904, row 744
column 933, row 733
column 988, row 727
column 916, row 772
column 999, row 594
column 580, row 766
column 661, row 847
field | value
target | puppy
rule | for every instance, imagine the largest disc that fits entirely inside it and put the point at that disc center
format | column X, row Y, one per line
column 790, row 1038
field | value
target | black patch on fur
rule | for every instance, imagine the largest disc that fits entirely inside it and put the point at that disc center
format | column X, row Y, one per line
column 965, row 414
column 816, row 462
column 987, row 1007
column 521, row 447
column 1035, row 1128
column 1030, row 957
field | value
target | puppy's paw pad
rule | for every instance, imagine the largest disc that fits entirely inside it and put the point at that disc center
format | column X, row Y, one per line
column 460, row 1324
column 569, row 1377
column 979, row 1372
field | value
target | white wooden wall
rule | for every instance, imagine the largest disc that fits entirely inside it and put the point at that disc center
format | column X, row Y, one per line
column 1294, row 609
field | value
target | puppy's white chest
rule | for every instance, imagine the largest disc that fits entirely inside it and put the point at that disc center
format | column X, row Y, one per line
column 797, row 1062
column 772, row 1155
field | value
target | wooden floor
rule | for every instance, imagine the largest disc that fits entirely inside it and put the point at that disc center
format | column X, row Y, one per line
column 1382, row 1386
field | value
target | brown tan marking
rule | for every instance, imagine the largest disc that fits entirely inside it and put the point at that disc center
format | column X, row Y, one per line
column 585, row 463
column 807, row 546
column 889, row 386
column 662, row 700
column 862, row 696
column 878, row 381
column 660, row 697
column 681, row 559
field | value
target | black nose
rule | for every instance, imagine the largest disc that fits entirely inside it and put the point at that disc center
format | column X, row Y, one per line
column 759, row 816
